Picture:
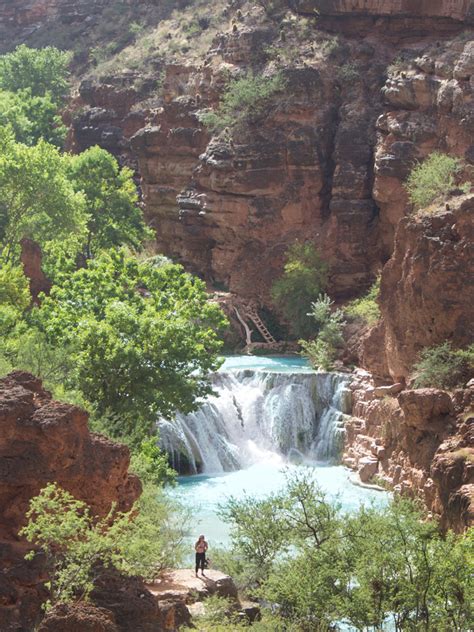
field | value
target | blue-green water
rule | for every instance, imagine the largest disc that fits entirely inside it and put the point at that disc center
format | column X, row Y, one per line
column 202, row 494
column 248, row 404
column 280, row 364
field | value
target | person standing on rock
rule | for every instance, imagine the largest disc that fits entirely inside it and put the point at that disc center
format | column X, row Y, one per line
column 201, row 547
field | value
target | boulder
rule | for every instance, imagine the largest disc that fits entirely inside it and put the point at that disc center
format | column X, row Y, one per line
column 78, row 617
column 368, row 467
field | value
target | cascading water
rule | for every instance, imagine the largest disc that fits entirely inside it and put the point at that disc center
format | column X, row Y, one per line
column 259, row 413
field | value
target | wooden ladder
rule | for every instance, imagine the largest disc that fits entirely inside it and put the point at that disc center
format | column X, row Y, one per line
column 252, row 313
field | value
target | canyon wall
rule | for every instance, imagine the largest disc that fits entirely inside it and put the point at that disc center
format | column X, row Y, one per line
column 327, row 163
column 418, row 442
column 371, row 87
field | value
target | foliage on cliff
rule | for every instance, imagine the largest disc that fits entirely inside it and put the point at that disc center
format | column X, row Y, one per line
column 245, row 100
column 304, row 277
column 366, row 307
column 431, row 179
column 442, row 366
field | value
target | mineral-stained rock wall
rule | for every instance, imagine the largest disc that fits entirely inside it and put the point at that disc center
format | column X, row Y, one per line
column 43, row 441
column 427, row 294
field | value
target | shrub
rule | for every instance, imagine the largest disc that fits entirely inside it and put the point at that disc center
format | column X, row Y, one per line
column 76, row 546
column 244, row 101
column 304, row 277
column 366, row 307
column 444, row 367
column 431, row 179
column 323, row 351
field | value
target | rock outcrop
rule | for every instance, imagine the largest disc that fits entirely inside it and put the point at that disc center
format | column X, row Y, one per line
column 427, row 294
column 41, row 441
column 418, row 442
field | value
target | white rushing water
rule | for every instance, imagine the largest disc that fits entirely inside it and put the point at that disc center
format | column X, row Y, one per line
column 272, row 408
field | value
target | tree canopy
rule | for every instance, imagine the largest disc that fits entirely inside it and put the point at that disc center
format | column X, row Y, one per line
column 143, row 338
column 114, row 217
column 42, row 71
column 37, row 199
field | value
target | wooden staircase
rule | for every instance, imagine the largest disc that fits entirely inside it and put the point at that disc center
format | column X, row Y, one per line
column 252, row 314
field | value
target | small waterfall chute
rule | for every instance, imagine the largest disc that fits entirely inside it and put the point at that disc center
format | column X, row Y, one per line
column 258, row 414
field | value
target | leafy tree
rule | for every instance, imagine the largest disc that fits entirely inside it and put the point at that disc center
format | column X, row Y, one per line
column 323, row 351
column 77, row 546
column 143, row 339
column 32, row 117
column 444, row 367
column 432, row 178
column 245, row 100
column 151, row 465
column 111, row 201
column 376, row 567
column 37, row 199
column 304, row 276
column 366, row 307
column 14, row 300
column 44, row 71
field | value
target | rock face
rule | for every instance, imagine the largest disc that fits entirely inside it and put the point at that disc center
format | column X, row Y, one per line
column 328, row 161
column 420, row 442
column 42, row 441
column 20, row 19
column 427, row 295
column 31, row 257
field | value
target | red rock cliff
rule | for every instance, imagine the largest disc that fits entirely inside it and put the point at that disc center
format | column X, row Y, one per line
column 42, row 440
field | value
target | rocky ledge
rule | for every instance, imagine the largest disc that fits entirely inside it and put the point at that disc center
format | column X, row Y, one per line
column 418, row 442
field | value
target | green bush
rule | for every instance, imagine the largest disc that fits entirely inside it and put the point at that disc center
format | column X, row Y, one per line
column 244, row 101
column 324, row 349
column 374, row 569
column 431, row 179
column 304, row 277
column 444, row 367
column 77, row 546
column 366, row 307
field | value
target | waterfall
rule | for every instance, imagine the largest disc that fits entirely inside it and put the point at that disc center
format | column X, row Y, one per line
column 260, row 414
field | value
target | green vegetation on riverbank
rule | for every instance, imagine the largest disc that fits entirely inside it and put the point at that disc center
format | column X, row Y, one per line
column 318, row 565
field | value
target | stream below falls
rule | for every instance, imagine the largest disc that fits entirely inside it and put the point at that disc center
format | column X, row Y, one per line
column 269, row 414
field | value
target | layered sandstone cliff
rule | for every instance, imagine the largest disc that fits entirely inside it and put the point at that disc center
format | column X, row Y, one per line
column 327, row 163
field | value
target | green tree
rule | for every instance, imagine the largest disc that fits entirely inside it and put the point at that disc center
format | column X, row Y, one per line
column 151, row 465
column 44, row 71
column 329, row 323
column 32, row 117
column 37, row 199
column 378, row 567
column 304, row 276
column 144, row 339
column 15, row 298
column 111, row 201
column 77, row 547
